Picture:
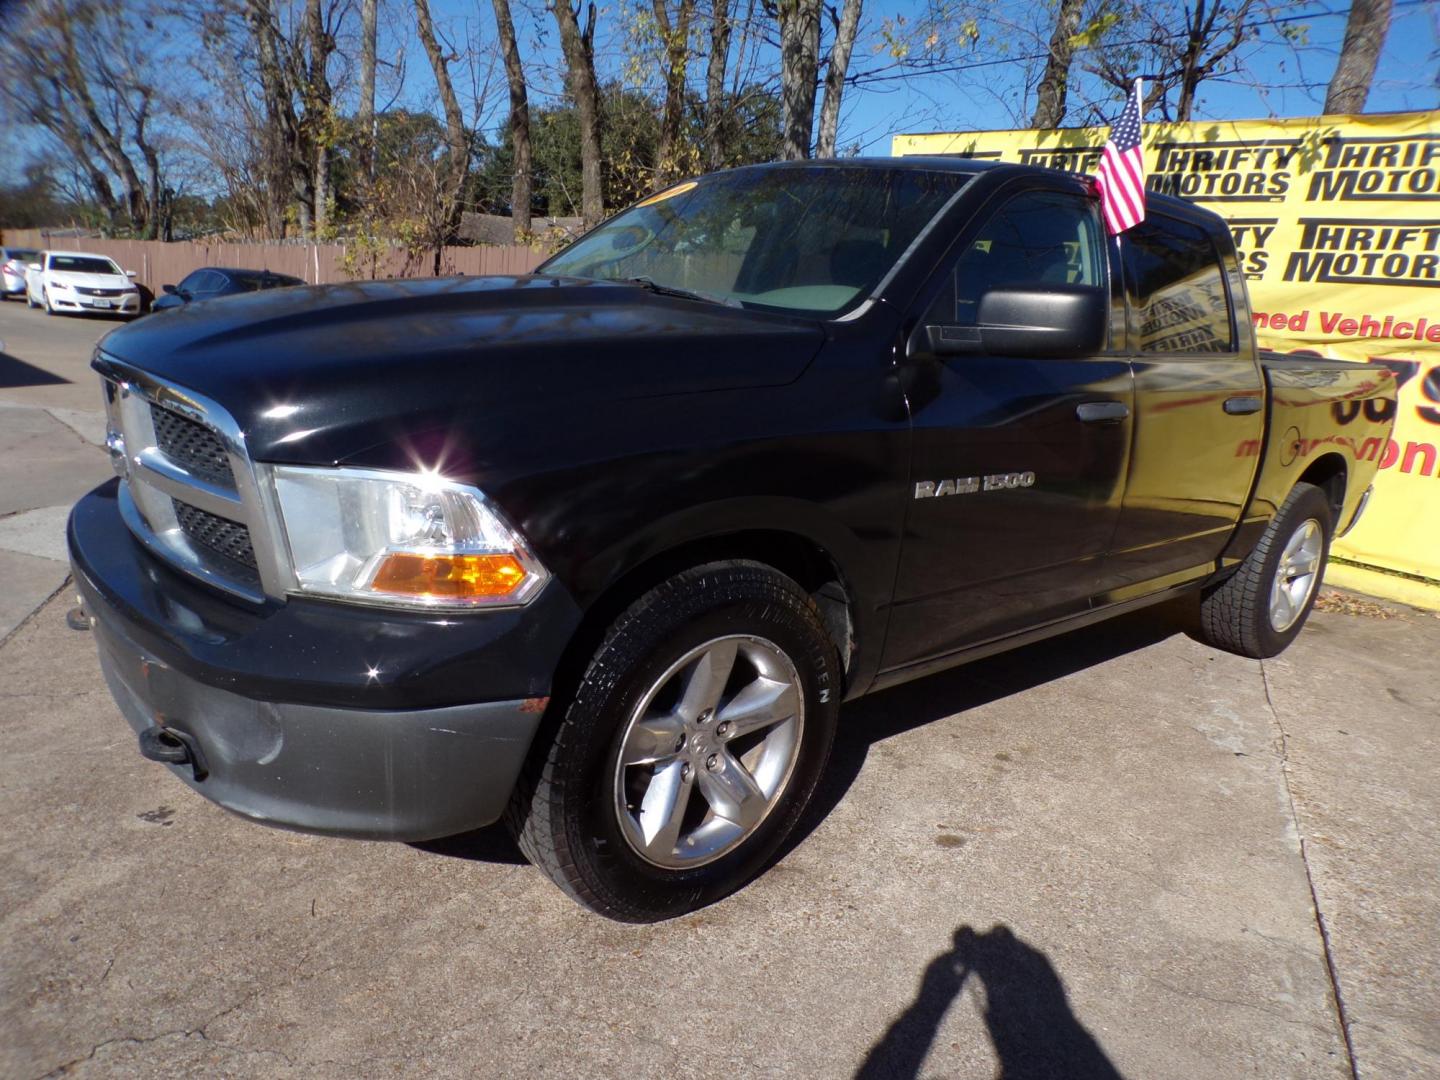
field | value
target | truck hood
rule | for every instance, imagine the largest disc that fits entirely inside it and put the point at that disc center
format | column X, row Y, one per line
column 314, row 375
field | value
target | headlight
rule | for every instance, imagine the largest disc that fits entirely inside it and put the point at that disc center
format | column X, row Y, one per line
column 58, row 285
column 401, row 538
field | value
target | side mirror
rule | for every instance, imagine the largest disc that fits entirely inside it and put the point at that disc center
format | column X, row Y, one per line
column 170, row 289
column 130, row 273
column 1040, row 321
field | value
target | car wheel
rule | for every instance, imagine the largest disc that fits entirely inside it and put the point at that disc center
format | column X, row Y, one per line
column 1259, row 609
column 45, row 296
column 690, row 748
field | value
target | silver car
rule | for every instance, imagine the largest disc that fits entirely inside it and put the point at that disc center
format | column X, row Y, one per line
column 13, row 261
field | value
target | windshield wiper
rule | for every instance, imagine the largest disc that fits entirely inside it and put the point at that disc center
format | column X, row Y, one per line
column 685, row 294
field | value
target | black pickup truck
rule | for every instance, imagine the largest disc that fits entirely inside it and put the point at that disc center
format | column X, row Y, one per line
column 602, row 550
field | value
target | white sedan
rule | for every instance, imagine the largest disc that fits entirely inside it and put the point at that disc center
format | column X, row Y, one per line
column 13, row 261
column 75, row 281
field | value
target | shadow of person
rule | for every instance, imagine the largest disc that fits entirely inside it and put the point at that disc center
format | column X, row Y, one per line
column 1027, row 1013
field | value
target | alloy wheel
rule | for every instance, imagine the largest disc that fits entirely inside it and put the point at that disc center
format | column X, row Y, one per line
column 1296, row 575
column 708, row 751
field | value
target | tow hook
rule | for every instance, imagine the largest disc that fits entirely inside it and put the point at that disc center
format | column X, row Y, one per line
column 172, row 747
column 77, row 618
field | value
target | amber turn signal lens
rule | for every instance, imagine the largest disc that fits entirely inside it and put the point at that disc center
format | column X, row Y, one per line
column 454, row 577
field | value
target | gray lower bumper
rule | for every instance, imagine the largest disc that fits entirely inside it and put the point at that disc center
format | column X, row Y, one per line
column 349, row 772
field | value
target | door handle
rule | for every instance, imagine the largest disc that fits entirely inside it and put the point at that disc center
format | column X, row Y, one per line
column 1243, row 405
column 1101, row 412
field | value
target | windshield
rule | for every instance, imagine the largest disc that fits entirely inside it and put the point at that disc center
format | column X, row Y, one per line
column 83, row 264
column 21, row 254
column 813, row 239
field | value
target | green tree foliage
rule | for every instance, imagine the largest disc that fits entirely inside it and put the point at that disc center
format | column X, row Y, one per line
column 630, row 141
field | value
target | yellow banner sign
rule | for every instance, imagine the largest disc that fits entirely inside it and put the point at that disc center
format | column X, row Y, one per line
column 1337, row 221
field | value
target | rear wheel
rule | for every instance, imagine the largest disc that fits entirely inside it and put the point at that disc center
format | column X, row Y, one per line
column 1259, row 610
column 690, row 748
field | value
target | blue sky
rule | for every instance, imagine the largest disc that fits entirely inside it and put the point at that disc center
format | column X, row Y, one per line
column 1275, row 80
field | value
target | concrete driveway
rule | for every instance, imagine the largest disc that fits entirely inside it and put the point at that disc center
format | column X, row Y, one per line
column 1119, row 853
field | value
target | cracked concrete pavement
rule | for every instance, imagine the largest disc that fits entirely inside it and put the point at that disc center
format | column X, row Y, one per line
column 1101, row 856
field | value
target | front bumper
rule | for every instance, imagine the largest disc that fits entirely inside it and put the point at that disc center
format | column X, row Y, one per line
column 299, row 745
column 129, row 304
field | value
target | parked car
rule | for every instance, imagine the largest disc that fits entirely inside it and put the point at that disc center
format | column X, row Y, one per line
column 212, row 281
column 13, row 261
column 76, row 282
column 602, row 550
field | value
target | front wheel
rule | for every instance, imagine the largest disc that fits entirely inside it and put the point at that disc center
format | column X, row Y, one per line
column 690, row 748
column 1259, row 610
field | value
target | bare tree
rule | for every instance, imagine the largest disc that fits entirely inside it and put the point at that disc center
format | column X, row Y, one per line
column 1177, row 45
column 578, row 45
column 1054, row 84
column 365, row 114
column 715, row 83
column 675, row 52
column 799, row 63
column 520, row 188
column 1365, row 32
column 318, row 119
column 277, row 126
column 457, row 139
column 846, row 24
column 75, row 70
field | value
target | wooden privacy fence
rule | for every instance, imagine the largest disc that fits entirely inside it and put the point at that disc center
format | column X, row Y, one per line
column 156, row 263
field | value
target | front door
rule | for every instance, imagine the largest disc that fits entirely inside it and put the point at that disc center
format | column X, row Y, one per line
column 1018, row 463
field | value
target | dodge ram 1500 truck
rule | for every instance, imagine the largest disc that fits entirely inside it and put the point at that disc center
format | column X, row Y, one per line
column 601, row 550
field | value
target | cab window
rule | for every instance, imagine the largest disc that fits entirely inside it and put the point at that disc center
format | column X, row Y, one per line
column 1036, row 238
column 1177, row 288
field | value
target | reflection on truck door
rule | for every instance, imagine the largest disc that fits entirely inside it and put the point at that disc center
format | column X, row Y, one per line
column 1200, row 414
column 978, row 565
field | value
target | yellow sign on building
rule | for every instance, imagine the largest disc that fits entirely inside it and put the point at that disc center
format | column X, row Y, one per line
column 1337, row 222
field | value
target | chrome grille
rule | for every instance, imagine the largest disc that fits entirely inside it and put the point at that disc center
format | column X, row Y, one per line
column 220, row 535
column 191, row 494
column 192, row 445
column 99, row 292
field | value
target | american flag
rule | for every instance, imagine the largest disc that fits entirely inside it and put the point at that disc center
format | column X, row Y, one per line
column 1121, row 175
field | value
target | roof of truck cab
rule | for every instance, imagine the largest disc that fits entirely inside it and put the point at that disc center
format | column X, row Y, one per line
column 971, row 166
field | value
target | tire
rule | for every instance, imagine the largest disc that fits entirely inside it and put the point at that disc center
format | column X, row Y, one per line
column 580, row 809
column 1244, row 613
column 46, row 297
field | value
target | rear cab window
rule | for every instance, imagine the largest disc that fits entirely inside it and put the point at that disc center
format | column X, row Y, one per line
column 1178, row 298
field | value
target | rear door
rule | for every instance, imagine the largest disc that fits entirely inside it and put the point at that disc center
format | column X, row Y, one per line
column 1018, row 463
column 1200, row 413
